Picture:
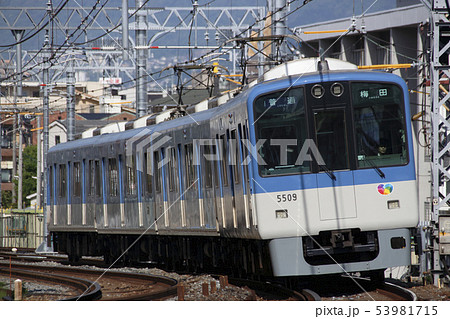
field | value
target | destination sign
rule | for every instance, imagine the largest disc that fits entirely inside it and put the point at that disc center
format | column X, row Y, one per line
column 370, row 94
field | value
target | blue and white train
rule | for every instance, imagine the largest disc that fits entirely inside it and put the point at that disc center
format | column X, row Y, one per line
column 307, row 171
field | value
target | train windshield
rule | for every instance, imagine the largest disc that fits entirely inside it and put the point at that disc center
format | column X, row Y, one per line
column 280, row 121
column 380, row 132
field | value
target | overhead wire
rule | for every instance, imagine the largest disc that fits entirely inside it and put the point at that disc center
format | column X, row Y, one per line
column 36, row 32
column 112, row 29
column 194, row 59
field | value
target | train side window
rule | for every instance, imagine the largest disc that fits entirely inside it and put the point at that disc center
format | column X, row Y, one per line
column 50, row 182
column 113, row 177
column 215, row 165
column 157, row 171
column 62, row 180
column 245, row 152
column 180, row 170
column 76, row 179
column 235, row 153
column 189, row 164
column 91, row 178
column 172, row 169
column 148, row 174
column 208, row 165
column 131, row 175
column 223, row 156
column 98, row 178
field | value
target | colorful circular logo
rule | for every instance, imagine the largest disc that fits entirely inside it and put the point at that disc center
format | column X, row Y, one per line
column 385, row 189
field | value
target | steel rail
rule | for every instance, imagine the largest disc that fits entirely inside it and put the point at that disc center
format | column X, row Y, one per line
column 165, row 292
column 89, row 290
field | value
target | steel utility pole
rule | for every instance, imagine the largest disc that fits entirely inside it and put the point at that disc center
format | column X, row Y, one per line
column 141, row 61
column 18, row 34
column 70, row 77
column 279, row 25
column 125, row 29
column 20, row 188
column 1, row 145
column 39, row 163
column 439, row 224
column 14, row 154
column 44, row 247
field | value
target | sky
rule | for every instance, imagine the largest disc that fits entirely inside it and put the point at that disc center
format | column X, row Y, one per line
column 314, row 11
column 311, row 12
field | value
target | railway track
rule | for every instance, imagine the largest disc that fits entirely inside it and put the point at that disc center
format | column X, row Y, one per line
column 275, row 291
column 112, row 285
column 32, row 257
column 263, row 289
column 81, row 289
column 357, row 288
column 349, row 288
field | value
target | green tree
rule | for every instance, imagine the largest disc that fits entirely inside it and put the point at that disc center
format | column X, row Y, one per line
column 29, row 170
column 6, row 199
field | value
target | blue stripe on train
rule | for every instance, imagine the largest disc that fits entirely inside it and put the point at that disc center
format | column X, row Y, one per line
column 343, row 178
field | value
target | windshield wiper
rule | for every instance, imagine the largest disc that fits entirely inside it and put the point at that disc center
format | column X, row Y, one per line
column 374, row 166
column 328, row 171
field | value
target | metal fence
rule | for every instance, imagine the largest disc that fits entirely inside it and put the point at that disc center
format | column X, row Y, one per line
column 21, row 229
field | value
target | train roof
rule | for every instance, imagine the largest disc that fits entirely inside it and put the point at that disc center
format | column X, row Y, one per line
column 296, row 72
column 109, row 138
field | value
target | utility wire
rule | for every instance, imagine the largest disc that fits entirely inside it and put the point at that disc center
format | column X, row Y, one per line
column 37, row 31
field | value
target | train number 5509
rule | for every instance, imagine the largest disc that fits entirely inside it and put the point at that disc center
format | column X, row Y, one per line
column 281, row 198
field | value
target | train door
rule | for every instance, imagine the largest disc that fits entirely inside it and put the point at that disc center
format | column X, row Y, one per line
column 236, row 180
column 61, row 216
column 76, row 200
column 335, row 179
column 174, row 203
column 83, row 193
column 245, row 174
column 228, row 211
column 149, row 192
column 208, row 189
column 218, row 181
column 181, row 174
column 98, row 193
column 160, row 196
column 191, row 187
column 55, row 195
column 50, row 193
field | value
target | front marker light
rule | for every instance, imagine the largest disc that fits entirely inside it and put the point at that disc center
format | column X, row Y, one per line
column 393, row 204
column 281, row 213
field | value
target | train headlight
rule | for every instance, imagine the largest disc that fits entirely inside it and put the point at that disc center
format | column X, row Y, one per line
column 281, row 213
column 337, row 89
column 317, row 91
column 393, row 204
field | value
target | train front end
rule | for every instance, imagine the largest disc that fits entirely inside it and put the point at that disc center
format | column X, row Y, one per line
column 333, row 172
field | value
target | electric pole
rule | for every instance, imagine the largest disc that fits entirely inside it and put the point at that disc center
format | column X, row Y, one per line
column 39, row 163
column 14, row 154
column 46, row 243
column 438, row 240
column 279, row 25
column 1, row 146
column 18, row 34
column 125, row 29
column 20, row 188
column 141, row 60
column 70, row 78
